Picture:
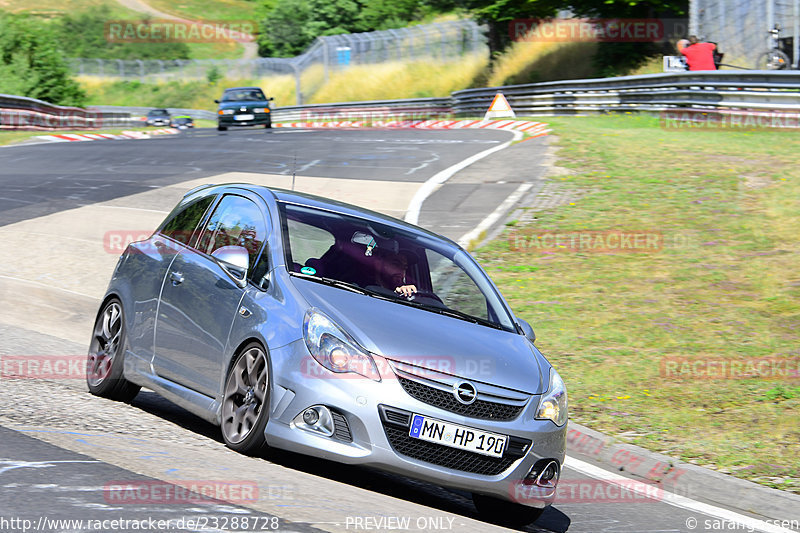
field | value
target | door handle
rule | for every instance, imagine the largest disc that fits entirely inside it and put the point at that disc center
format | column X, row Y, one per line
column 176, row 278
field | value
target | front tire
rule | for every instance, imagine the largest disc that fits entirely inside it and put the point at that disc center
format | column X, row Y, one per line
column 245, row 401
column 106, row 356
column 222, row 128
column 509, row 514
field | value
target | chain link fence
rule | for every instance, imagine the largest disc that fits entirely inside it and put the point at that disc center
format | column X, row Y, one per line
column 435, row 42
column 740, row 27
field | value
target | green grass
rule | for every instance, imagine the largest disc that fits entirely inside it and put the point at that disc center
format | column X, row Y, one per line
column 193, row 94
column 51, row 8
column 724, row 286
column 208, row 9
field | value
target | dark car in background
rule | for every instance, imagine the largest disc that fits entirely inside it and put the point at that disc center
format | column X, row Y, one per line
column 158, row 117
column 182, row 122
column 243, row 106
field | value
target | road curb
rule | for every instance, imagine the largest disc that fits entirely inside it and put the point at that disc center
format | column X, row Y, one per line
column 532, row 128
column 678, row 477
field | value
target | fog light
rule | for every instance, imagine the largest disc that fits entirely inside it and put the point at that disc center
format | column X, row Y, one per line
column 316, row 419
column 544, row 473
column 310, row 416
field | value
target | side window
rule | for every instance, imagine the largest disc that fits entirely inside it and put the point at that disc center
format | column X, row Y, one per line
column 307, row 241
column 236, row 221
column 181, row 224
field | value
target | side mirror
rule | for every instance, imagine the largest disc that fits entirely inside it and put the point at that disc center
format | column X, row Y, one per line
column 235, row 260
column 527, row 330
column 270, row 98
column 216, row 101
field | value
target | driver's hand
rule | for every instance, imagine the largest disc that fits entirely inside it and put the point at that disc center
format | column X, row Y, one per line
column 406, row 290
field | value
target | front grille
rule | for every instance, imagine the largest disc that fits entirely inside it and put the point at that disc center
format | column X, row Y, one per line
column 446, row 400
column 444, row 455
column 395, row 424
column 341, row 430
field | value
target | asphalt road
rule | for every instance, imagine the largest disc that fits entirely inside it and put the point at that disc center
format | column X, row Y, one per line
column 61, row 448
column 46, row 178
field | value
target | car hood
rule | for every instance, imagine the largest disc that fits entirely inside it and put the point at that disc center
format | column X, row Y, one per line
column 429, row 340
column 248, row 104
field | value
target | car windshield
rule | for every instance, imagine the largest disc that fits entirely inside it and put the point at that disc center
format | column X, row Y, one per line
column 158, row 113
column 375, row 259
column 243, row 95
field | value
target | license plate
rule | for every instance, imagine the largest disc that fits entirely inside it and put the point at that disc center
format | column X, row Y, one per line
column 244, row 117
column 456, row 436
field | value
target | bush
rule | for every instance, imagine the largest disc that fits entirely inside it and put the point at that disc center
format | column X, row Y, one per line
column 31, row 63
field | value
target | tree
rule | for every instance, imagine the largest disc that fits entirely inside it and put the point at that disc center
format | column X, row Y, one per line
column 31, row 63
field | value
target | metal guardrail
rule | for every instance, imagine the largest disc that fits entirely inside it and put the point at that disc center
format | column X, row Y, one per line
column 366, row 111
column 139, row 111
column 720, row 90
column 21, row 113
column 716, row 90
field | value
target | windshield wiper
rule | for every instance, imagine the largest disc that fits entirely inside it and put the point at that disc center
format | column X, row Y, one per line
column 452, row 313
column 333, row 282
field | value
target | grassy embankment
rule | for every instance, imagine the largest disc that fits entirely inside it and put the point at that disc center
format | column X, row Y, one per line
column 725, row 286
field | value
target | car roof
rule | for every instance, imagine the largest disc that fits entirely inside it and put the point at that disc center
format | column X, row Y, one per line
column 311, row 200
column 240, row 88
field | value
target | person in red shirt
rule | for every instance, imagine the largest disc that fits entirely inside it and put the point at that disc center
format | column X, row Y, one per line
column 699, row 56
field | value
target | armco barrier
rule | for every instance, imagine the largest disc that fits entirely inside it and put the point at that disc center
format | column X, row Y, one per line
column 139, row 111
column 713, row 90
column 21, row 113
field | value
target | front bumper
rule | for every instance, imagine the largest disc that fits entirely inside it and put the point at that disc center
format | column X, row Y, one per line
column 368, row 415
column 259, row 119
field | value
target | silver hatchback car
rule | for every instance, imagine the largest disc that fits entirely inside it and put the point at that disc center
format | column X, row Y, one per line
column 302, row 323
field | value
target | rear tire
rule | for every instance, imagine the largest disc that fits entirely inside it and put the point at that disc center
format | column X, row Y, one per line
column 222, row 128
column 268, row 125
column 106, row 356
column 505, row 513
column 245, row 401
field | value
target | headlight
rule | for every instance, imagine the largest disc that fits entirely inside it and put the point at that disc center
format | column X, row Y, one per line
column 226, row 111
column 334, row 349
column 261, row 110
column 553, row 405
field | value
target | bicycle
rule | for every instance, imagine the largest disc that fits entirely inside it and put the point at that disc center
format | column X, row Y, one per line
column 775, row 58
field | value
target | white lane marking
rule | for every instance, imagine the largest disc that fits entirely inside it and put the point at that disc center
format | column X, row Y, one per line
column 751, row 524
column 46, row 285
column 412, row 213
column 132, row 208
column 13, row 464
column 495, row 215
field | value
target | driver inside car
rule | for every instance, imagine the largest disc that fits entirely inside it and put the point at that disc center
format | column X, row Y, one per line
column 390, row 273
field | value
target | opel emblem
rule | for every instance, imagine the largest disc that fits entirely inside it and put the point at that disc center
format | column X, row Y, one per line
column 465, row 392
